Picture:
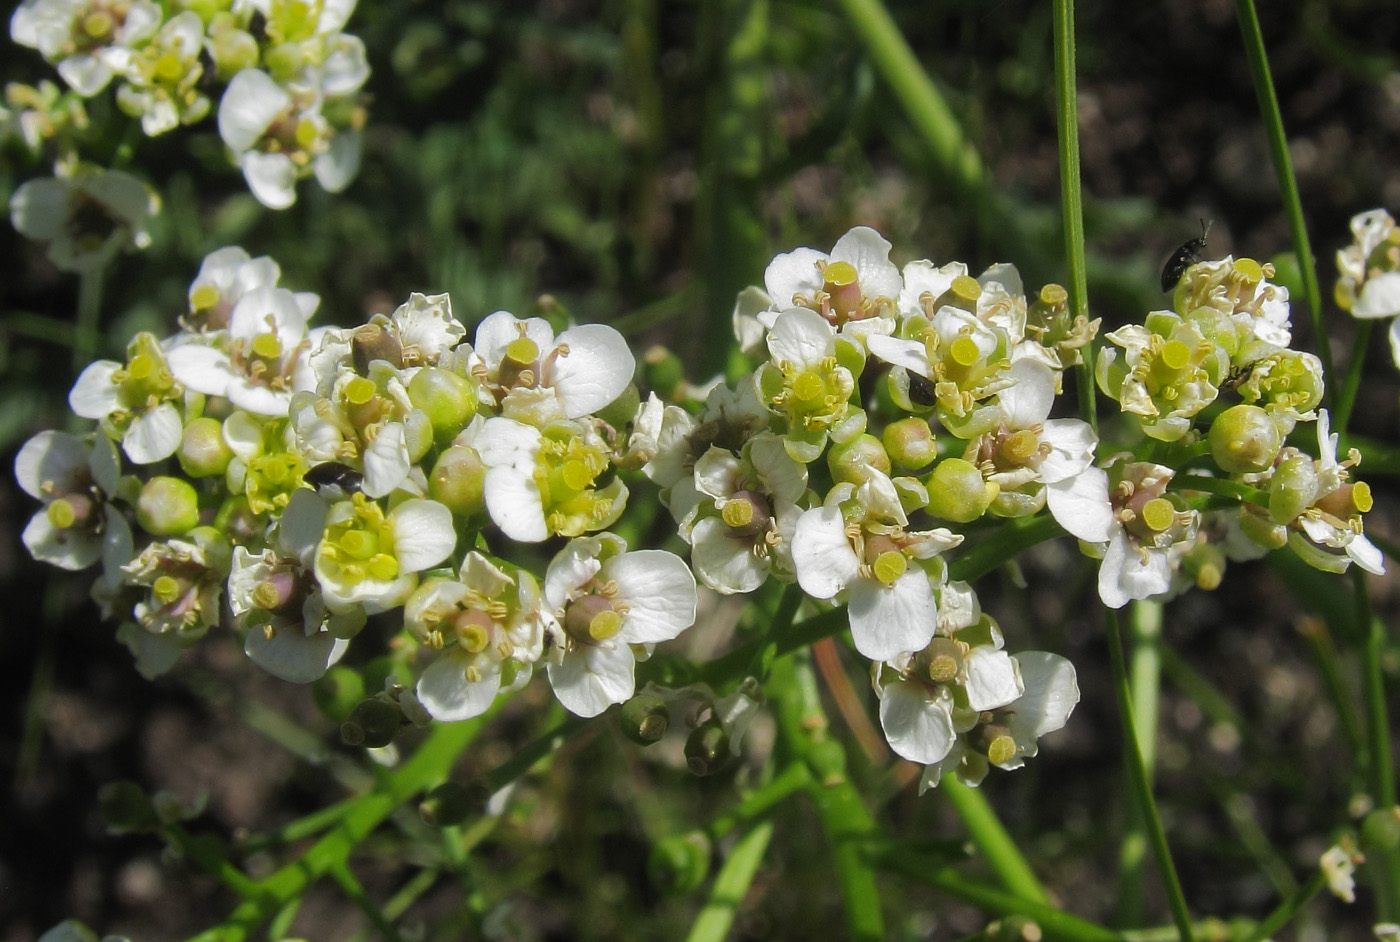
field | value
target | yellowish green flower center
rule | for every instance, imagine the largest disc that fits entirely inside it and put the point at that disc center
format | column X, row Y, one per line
column 1002, row 748
column 267, row 346
column 964, row 351
column 166, row 589
column 737, row 513
column 522, row 351
column 889, row 566
column 966, row 289
column 1158, row 514
column 169, row 67
column 204, row 297
column 359, row 391
column 361, row 547
column 61, row 513
column 1020, row 446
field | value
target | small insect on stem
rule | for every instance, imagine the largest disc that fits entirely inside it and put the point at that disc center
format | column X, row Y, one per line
column 1184, row 257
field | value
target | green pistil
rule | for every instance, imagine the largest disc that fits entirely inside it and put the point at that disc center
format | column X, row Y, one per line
column 168, row 67
column 808, row 388
column 1158, row 514
column 98, row 25
column 592, row 619
column 359, row 391
column 964, row 351
column 522, row 351
column 61, row 513
column 889, row 566
column 204, row 297
column 167, row 589
column 267, row 346
column 1020, row 447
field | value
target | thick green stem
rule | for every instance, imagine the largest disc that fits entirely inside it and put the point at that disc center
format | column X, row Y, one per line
column 731, row 885
column 1145, row 678
column 992, row 840
column 1141, row 787
column 1383, row 863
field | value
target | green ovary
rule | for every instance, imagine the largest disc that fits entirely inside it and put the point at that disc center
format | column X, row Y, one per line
column 361, row 547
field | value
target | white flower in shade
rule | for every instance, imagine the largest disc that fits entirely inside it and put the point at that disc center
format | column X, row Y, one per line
column 542, row 482
column 183, row 583
column 424, row 328
column 604, row 601
column 275, row 597
column 263, row 357
column 1369, row 270
column 371, row 559
column 1338, row 865
column 225, row 276
column 138, row 402
column 488, row 630
column 586, row 367
column 77, row 525
column 1007, row 736
column 162, row 77
column 856, row 285
column 747, row 529
column 1332, row 533
column 856, row 544
column 86, row 215
column 88, row 40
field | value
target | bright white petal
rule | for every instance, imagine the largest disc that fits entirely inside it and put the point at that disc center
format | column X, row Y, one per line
column 154, row 435
column 992, row 679
column 1031, row 392
column 201, row 368
column 66, row 549
column 513, row 500
column 917, row 728
column 659, row 592
column 869, row 253
column 723, row 563
column 887, row 621
column 271, row 177
column 1125, row 575
column 591, row 679
column 793, row 273
column 1380, row 297
column 822, row 554
column 801, row 337
column 386, row 461
column 1051, row 694
column 597, row 369
column 448, row 695
column 94, row 395
column 250, row 103
column 1081, row 505
column 910, row 354
column 423, row 534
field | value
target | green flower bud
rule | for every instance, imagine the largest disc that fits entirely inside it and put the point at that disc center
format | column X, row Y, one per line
column 1261, row 529
column 451, row 803
column 337, row 692
column 373, row 723
column 126, row 808
column 958, row 492
column 663, row 371
column 1381, row 830
column 1293, row 488
column 458, row 481
column 853, row 460
column 680, row 863
column 644, row 719
column 1244, row 440
column 203, row 451
column 448, row 399
column 167, row 507
column 1205, row 563
column 707, row 749
column 620, row 412
column 910, row 443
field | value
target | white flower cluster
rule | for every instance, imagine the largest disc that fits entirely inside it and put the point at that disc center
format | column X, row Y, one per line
column 305, row 478
column 1368, row 283
column 290, row 77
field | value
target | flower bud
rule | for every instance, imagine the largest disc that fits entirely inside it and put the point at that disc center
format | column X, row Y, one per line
column 910, row 443
column 167, row 507
column 1261, row 530
column 663, row 371
column 1204, row 563
column 707, row 749
column 203, row 451
column 1293, row 488
column 337, row 692
column 958, row 492
column 447, row 398
column 451, row 803
column 680, row 863
column 620, row 412
column 372, row 724
column 644, row 719
column 458, row 481
column 852, row 461
column 1015, row 929
column 1380, row 830
column 1244, row 440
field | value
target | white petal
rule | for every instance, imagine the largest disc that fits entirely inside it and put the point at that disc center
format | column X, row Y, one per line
column 94, row 395
column 1366, row 555
column 448, row 695
column 1380, row 297
column 822, row 554
column 386, row 461
column 250, row 103
column 917, row 728
column 302, row 524
column 596, row 370
column 201, row 368
column 499, row 329
column 1081, row 505
column 506, row 443
column 869, row 253
column 1051, row 694
column 337, row 167
column 271, row 177
column 39, row 208
column 801, row 337
column 1124, row 575
column 1031, row 393
column 66, row 549
column 659, row 592
column 291, row 653
column 591, row 679
column 793, row 273
column 51, row 456
column 423, row 534
column 514, row 502
column 723, row 563
column 154, row 435
column 910, row 354
column 887, row 621
column 992, row 679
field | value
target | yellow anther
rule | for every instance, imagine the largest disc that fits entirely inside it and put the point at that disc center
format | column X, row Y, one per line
column 265, row 595
column 1158, row 514
column 942, row 668
column 359, row 544
column 1361, row 497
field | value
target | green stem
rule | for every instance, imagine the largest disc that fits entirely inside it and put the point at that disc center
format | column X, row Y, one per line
column 1286, row 910
column 1346, row 401
column 731, row 885
column 792, row 779
column 1383, row 862
column 1255, row 53
column 1141, row 787
column 1145, row 627
column 355, row 891
column 1071, row 199
column 1221, row 487
column 992, row 840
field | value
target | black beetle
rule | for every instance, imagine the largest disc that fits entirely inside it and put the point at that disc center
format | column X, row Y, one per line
column 334, row 480
column 1184, row 257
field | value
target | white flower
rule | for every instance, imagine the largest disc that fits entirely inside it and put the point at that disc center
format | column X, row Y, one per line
column 88, row 40
column 855, row 285
column 586, row 367
column 263, row 359
column 162, row 77
column 1334, row 535
column 225, row 276
column 488, row 627
column 604, row 600
column 183, row 582
column 86, row 216
column 291, row 632
column 371, row 559
column 1369, row 285
column 77, row 526
column 136, row 401
column 1338, row 864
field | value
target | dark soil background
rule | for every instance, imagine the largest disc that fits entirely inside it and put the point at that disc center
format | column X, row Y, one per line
column 554, row 180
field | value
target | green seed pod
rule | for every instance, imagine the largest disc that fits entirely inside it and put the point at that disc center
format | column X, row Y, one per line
column 910, row 443
column 203, row 451
column 621, row 411
column 126, row 807
column 1380, row 831
column 663, row 371
column 167, row 507
column 1244, row 440
column 372, row 724
column 1293, row 488
column 447, row 398
column 707, row 749
column 458, row 481
column 644, row 719
column 852, row 461
column 958, row 492
column 680, row 863
column 337, row 692
column 450, row 804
